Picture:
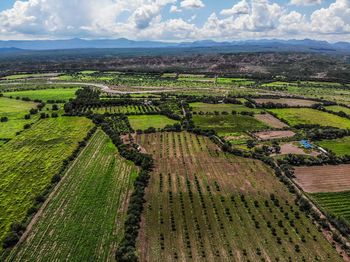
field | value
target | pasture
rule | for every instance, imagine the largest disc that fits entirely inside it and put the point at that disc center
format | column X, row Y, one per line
column 226, row 124
column 14, row 110
column 29, row 161
column 45, row 94
column 338, row 109
column 88, row 207
column 204, row 205
column 211, row 108
column 299, row 116
column 316, row 179
column 144, row 122
column 340, row 146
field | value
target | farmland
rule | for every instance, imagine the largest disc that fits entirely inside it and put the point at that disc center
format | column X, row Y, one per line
column 14, row 110
column 205, row 205
column 286, row 101
column 339, row 109
column 97, row 199
column 146, row 121
column 267, row 135
column 128, row 110
column 270, row 120
column 40, row 152
column 45, row 94
column 226, row 124
column 340, row 146
column 323, row 178
column 298, row 116
column 211, row 108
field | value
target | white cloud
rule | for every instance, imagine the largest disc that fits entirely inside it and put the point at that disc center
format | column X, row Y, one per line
column 306, row 2
column 191, row 4
column 175, row 9
column 238, row 9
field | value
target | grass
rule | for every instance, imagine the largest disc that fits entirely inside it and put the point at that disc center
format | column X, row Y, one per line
column 14, row 110
column 21, row 76
column 340, row 147
column 227, row 124
column 28, row 162
column 146, row 121
column 89, row 207
column 339, row 109
column 335, row 203
column 205, row 107
column 45, row 94
column 205, row 205
column 297, row 116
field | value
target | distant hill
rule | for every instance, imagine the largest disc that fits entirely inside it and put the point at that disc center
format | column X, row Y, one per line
column 249, row 45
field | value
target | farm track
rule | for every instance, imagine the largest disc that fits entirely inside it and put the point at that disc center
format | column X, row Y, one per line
column 195, row 210
column 84, row 218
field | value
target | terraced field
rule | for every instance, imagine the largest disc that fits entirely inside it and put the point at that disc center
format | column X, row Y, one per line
column 39, row 154
column 128, row 110
column 204, row 205
column 297, row 116
column 339, row 109
column 340, row 146
column 45, row 94
column 84, row 218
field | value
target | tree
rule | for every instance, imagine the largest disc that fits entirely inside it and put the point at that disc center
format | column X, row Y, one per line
column 33, row 111
column 55, row 107
column 4, row 119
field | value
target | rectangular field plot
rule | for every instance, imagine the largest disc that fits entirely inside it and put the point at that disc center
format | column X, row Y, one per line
column 268, row 135
column 270, row 120
column 298, row 116
column 45, row 94
column 340, row 147
column 287, row 101
column 147, row 121
column 85, row 216
column 127, row 110
column 211, row 108
column 204, row 205
column 14, row 110
column 29, row 161
column 339, row 109
column 226, row 124
column 323, row 178
column 335, row 203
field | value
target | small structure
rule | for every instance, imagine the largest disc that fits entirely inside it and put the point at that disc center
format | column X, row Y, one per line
column 306, row 144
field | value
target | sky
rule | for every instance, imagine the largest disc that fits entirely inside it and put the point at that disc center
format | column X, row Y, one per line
column 175, row 20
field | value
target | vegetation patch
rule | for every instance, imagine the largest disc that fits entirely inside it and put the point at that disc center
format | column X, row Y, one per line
column 340, row 147
column 62, row 94
column 270, row 120
column 89, row 207
column 147, row 121
column 128, row 110
column 211, row 108
column 286, row 101
column 339, row 109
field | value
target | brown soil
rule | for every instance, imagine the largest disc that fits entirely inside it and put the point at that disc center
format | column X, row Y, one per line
column 270, row 120
column 267, row 135
column 323, row 178
column 287, row 101
column 290, row 148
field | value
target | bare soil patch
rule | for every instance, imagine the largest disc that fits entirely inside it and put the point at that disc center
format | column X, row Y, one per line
column 267, row 135
column 271, row 120
column 290, row 148
column 287, row 101
column 318, row 179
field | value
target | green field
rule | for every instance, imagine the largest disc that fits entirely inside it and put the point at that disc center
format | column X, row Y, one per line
column 146, row 121
column 14, row 110
column 45, row 94
column 227, row 124
column 132, row 109
column 297, row 116
column 205, row 107
column 89, row 207
column 339, row 109
column 22, row 76
column 28, row 162
column 340, row 147
column 335, row 203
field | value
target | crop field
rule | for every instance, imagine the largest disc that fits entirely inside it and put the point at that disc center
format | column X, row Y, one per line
column 274, row 134
column 329, row 178
column 211, row 108
column 340, row 146
column 45, row 94
column 204, row 205
column 339, row 109
column 227, row 124
column 23, row 76
column 132, row 109
column 270, row 120
column 14, row 110
column 287, row 101
column 88, row 207
column 146, row 121
column 334, row 203
column 297, row 116
column 39, row 154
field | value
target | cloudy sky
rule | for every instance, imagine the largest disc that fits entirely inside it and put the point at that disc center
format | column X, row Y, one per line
column 175, row 20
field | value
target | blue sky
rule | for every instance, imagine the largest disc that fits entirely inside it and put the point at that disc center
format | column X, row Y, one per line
column 176, row 20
